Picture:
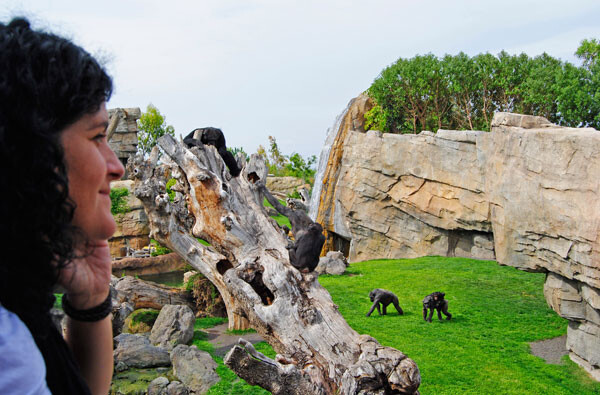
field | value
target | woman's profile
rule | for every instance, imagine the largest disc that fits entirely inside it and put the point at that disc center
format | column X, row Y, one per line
column 55, row 214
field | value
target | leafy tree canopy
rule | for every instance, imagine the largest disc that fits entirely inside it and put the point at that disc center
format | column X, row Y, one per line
column 293, row 165
column 463, row 92
column 152, row 125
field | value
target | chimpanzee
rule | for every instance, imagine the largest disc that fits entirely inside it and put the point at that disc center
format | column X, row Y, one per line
column 435, row 301
column 305, row 252
column 214, row 137
column 308, row 236
column 299, row 220
column 384, row 297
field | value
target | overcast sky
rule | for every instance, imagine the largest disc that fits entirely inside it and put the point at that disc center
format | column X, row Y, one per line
column 256, row 68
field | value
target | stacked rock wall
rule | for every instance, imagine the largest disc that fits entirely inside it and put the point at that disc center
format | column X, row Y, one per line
column 124, row 140
column 133, row 227
column 285, row 185
column 525, row 194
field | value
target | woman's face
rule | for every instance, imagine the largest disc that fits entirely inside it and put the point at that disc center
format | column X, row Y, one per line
column 91, row 166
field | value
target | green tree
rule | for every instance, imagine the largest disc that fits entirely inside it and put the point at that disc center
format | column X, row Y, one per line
column 236, row 150
column 152, row 125
column 297, row 166
column 540, row 88
column 462, row 92
column 376, row 118
column 485, row 70
column 276, row 159
column 589, row 52
column 293, row 165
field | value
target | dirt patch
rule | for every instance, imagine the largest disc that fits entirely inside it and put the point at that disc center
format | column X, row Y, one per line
column 551, row 350
column 222, row 341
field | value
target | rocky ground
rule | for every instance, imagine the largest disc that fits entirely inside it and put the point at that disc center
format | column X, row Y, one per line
column 551, row 350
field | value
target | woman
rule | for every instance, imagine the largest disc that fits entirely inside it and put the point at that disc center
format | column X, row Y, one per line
column 56, row 167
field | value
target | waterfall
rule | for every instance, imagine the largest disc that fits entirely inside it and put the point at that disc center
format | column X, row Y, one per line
column 315, row 196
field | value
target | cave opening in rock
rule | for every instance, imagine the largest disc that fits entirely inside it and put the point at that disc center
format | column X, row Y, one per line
column 339, row 243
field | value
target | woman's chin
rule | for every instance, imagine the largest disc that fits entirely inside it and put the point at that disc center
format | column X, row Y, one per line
column 103, row 230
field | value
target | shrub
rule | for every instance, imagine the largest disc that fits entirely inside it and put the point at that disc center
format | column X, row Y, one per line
column 141, row 320
column 159, row 249
column 118, row 200
column 171, row 193
column 206, row 296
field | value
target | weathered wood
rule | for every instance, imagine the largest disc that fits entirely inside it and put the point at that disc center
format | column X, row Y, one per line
column 249, row 265
column 144, row 294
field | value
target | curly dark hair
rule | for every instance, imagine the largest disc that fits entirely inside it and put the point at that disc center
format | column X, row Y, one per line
column 46, row 84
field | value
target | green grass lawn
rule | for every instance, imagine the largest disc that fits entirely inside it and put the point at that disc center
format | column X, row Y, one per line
column 230, row 383
column 484, row 349
column 496, row 312
column 281, row 219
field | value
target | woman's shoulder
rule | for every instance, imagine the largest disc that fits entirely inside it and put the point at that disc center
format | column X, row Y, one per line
column 22, row 368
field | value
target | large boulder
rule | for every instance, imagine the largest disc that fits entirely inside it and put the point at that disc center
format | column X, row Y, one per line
column 158, row 386
column 334, row 262
column 135, row 351
column 162, row 386
column 196, row 369
column 174, row 325
column 120, row 312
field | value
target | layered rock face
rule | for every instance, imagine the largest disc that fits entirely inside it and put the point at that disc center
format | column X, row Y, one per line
column 133, row 228
column 402, row 196
column 124, row 140
column 525, row 194
column 285, row 185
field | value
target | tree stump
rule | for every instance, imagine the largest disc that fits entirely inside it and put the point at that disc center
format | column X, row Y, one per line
column 247, row 261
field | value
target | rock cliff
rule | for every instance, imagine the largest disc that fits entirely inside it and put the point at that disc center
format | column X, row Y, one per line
column 124, row 139
column 133, row 227
column 525, row 194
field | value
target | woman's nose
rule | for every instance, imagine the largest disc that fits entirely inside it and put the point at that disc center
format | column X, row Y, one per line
column 114, row 167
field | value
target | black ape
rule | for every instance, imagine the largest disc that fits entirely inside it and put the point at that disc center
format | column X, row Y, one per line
column 214, row 137
column 381, row 296
column 308, row 235
column 435, row 301
column 299, row 220
column 304, row 254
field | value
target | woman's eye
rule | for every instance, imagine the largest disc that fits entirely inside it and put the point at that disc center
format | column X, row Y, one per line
column 100, row 137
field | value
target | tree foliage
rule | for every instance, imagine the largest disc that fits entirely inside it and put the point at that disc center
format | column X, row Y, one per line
column 118, row 200
column 151, row 126
column 463, row 92
column 293, row 165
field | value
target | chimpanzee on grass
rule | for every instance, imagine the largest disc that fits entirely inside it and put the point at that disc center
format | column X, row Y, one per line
column 214, row 137
column 435, row 301
column 381, row 296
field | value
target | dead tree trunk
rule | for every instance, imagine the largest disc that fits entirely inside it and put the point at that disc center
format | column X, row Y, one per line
column 249, row 265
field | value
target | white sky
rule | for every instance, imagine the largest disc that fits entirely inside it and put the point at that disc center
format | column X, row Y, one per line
column 256, row 68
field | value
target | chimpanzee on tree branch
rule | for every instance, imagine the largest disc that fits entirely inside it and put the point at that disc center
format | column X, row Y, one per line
column 214, row 137
column 299, row 220
column 435, row 301
column 304, row 254
column 308, row 236
column 384, row 297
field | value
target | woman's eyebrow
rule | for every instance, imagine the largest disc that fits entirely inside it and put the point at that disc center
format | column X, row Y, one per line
column 98, row 125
